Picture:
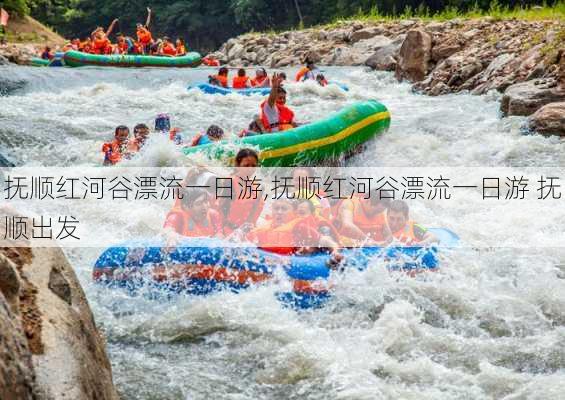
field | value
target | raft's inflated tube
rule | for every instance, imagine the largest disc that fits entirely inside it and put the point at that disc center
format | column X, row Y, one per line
column 79, row 59
column 213, row 89
column 201, row 266
column 327, row 139
column 56, row 61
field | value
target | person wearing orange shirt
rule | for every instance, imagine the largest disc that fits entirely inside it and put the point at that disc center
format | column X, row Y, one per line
column 167, row 48
column 121, row 147
column 275, row 115
column 241, row 208
column 181, row 47
column 221, row 79
column 241, row 81
column 261, row 79
column 363, row 221
column 406, row 230
column 192, row 216
column 144, row 37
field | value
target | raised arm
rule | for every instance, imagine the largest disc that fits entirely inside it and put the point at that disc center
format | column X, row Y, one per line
column 275, row 86
column 111, row 27
column 148, row 21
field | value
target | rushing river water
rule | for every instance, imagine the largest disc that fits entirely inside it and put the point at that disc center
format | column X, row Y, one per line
column 490, row 325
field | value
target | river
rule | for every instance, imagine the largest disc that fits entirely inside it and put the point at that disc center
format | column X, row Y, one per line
column 490, row 326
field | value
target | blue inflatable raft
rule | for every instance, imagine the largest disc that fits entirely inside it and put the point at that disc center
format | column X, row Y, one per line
column 200, row 266
column 213, row 89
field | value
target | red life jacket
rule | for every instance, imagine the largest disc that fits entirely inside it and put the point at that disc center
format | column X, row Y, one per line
column 246, row 209
column 285, row 118
column 264, row 82
column 240, row 82
column 115, row 151
column 182, row 222
column 144, row 36
column 169, row 49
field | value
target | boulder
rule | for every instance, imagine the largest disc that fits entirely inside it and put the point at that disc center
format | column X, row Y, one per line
column 435, row 26
column 263, row 41
column 373, row 44
column 339, row 35
column 527, row 97
column 49, row 345
column 549, row 119
column 236, row 51
column 4, row 60
column 345, row 56
column 414, row 56
column 385, row 58
column 363, row 34
column 445, row 49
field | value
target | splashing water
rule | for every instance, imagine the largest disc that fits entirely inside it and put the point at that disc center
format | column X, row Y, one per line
column 490, row 325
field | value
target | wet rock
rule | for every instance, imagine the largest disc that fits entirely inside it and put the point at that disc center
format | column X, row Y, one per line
column 343, row 56
column 9, row 282
column 363, row 34
column 60, row 285
column 236, row 51
column 528, row 97
column 50, row 347
column 4, row 60
column 414, row 56
column 17, row 379
column 549, row 119
column 385, row 58
column 439, row 88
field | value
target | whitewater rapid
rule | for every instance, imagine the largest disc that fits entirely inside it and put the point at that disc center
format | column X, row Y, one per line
column 490, row 325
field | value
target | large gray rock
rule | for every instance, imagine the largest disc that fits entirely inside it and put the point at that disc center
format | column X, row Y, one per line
column 363, row 34
column 527, row 97
column 345, row 56
column 49, row 345
column 373, row 43
column 4, row 60
column 549, row 120
column 414, row 56
column 236, row 51
column 385, row 58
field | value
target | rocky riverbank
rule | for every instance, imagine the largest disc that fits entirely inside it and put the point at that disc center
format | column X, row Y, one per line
column 50, row 347
column 523, row 59
column 18, row 53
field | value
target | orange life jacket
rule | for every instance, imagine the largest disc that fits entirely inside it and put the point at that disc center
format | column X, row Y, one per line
column 300, row 74
column 371, row 226
column 406, row 235
column 115, row 151
column 182, row 222
column 169, row 49
column 278, row 240
column 144, row 36
column 181, row 50
column 123, row 47
column 210, row 62
column 222, row 79
column 100, row 45
column 257, row 82
column 242, row 210
column 240, row 82
column 285, row 118
column 307, row 230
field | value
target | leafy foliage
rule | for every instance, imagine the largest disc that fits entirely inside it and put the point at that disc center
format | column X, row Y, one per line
column 207, row 23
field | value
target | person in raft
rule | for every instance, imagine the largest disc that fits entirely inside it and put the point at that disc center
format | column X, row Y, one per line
column 192, row 216
column 46, row 54
column 220, row 79
column 241, row 210
column 213, row 134
column 275, row 115
column 140, row 135
column 144, row 36
column 100, row 42
column 167, row 48
column 406, row 230
column 181, row 47
column 261, row 79
column 119, row 148
column 241, row 81
column 363, row 221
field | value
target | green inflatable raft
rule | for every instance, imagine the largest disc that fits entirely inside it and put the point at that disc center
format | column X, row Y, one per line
column 79, row 59
column 327, row 139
